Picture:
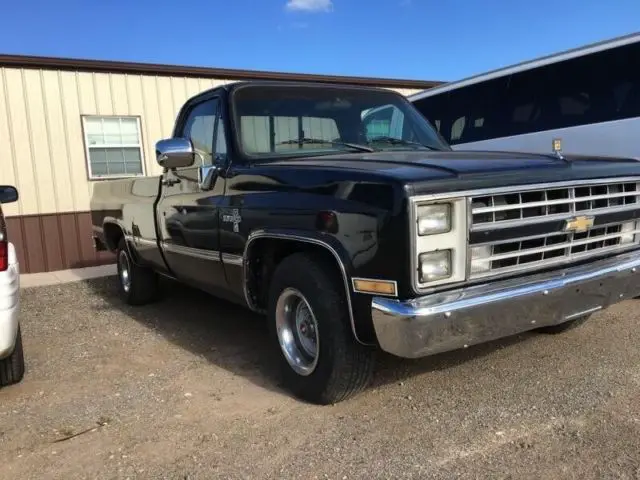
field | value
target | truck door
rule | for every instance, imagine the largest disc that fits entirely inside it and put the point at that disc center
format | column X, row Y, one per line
column 188, row 210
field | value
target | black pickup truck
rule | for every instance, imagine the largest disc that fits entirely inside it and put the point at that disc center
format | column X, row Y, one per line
column 342, row 215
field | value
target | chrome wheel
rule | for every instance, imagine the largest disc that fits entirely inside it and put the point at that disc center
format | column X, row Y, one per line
column 125, row 271
column 297, row 331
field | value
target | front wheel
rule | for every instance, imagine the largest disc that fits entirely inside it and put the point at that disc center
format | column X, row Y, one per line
column 309, row 323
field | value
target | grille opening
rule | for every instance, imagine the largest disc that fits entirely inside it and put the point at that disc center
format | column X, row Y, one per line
column 504, row 263
column 506, row 248
column 534, row 243
column 558, row 194
column 534, row 257
column 561, row 208
column 557, row 239
column 532, row 212
column 536, row 196
column 583, row 192
column 560, row 252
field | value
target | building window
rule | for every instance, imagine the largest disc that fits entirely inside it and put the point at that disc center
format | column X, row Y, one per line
column 114, row 146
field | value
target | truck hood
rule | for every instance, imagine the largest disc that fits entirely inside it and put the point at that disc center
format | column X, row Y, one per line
column 478, row 169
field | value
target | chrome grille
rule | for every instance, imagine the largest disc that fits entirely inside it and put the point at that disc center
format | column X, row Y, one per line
column 531, row 206
column 549, row 243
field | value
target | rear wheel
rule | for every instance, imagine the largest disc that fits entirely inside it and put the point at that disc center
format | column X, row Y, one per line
column 12, row 367
column 137, row 285
column 309, row 323
column 565, row 326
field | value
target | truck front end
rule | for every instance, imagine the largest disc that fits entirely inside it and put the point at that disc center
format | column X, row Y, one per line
column 491, row 263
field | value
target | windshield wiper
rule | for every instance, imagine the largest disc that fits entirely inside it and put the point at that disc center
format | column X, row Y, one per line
column 355, row 146
column 399, row 141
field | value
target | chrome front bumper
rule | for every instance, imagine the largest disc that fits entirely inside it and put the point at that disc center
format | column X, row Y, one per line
column 456, row 319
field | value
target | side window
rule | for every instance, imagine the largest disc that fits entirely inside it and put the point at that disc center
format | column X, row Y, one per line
column 473, row 113
column 384, row 122
column 199, row 128
column 590, row 89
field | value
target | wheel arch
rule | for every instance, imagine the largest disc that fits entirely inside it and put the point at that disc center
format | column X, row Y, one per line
column 113, row 232
column 286, row 243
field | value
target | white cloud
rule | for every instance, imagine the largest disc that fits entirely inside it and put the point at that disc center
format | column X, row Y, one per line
column 310, row 5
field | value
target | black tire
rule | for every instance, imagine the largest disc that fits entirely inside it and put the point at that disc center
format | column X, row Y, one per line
column 563, row 327
column 344, row 367
column 12, row 367
column 142, row 284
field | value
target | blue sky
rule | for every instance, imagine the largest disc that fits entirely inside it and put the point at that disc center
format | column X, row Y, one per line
column 413, row 39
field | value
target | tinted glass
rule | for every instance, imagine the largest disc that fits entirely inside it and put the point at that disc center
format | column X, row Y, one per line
column 467, row 114
column 199, row 128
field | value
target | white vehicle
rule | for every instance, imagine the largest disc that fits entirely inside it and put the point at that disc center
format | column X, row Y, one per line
column 589, row 98
column 11, row 354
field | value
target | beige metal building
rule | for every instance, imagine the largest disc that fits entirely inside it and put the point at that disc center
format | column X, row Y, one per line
column 67, row 123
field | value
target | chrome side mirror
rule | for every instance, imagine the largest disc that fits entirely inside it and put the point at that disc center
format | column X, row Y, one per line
column 8, row 194
column 175, row 153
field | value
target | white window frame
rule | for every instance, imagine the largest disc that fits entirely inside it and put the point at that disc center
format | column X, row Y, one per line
column 87, row 147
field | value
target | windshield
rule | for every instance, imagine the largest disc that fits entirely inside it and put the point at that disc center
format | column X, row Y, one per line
column 311, row 120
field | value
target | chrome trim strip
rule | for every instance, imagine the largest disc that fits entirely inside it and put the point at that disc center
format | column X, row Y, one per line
column 144, row 241
column 395, row 286
column 213, row 255
column 583, row 312
column 285, row 236
column 231, row 259
column 470, row 315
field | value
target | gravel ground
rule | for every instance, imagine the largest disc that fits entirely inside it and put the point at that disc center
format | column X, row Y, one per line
column 186, row 389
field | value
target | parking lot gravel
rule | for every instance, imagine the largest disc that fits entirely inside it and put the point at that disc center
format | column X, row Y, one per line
column 186, row 389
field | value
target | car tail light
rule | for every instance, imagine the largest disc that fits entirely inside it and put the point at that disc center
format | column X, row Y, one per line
column 4, row 255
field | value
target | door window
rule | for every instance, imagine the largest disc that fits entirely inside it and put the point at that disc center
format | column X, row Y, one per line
column 199, row 128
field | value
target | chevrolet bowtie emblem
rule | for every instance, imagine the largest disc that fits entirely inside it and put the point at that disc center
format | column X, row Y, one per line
column 578, row 224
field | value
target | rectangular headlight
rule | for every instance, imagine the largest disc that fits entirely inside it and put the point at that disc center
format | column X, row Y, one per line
column 435, row 265
column 434, row 219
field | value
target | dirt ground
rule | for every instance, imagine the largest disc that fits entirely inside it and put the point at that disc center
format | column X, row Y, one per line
column 186, row 389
